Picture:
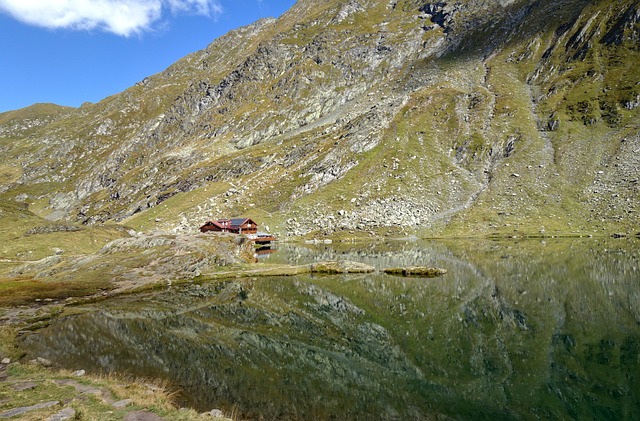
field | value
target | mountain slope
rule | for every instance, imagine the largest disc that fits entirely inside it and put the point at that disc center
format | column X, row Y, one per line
column 426, row 117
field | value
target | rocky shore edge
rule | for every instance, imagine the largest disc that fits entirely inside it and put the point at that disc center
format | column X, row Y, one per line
column 34, row 390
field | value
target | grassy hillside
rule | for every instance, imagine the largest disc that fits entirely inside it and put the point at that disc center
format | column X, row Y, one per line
column 346, row 119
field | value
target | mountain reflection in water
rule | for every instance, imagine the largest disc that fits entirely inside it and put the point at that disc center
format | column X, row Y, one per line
column 516, row 330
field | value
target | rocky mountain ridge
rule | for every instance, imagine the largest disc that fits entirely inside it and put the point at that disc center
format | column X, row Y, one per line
column 422, row 117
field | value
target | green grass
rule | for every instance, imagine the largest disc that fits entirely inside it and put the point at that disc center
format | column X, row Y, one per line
column 17, row 291
column 176, row 205
column 9, row 174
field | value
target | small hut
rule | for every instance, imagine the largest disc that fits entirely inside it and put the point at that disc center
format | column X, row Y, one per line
column 234, row 225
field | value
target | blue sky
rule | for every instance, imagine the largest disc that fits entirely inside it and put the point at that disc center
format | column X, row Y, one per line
column 72, row 51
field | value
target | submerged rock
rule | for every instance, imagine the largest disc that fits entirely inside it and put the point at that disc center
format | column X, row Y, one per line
column 417, row 271
column 340, row 267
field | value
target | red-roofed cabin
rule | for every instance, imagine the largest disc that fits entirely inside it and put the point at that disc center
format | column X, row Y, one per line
column 234, row 225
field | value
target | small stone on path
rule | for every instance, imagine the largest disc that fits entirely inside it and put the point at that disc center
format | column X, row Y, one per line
column 104, row 395
column 122, row 404
column 43, row 362
column 142, row 416
column 217, row 413
column 65, row 414
column 6, row 361
column 23, row 410
column 20, row 387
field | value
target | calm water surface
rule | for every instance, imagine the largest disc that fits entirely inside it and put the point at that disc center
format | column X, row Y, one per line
column 516, row 330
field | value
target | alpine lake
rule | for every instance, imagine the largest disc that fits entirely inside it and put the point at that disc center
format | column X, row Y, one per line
column 545, row 328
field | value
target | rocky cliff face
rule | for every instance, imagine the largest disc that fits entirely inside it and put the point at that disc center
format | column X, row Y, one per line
column 463, row 117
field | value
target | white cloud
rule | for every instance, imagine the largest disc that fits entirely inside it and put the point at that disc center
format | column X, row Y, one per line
column 122, row 17
column 201, row 7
